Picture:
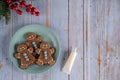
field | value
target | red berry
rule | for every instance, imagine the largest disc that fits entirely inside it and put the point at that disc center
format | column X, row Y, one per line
column 32, row 13
column 37, row 13
column 14, row 6
column 27, row 10
column 22, row 5
column 29, row 6
column 33, row 9
column 23, row 1
column 8, row 1
column 19, row 12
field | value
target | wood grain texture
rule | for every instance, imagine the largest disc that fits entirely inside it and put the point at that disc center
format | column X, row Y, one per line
column 6, row 68
column 102, row 40
column 76, row 37
column 58, row 24
column 86, row 39
column 90, row 25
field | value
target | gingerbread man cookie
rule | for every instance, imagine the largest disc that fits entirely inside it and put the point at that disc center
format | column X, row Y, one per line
column 39, row 61
column 45, row 54
column 25, row 55
column 33, row 40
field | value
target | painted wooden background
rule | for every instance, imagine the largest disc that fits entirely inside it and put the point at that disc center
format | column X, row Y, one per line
column 91, row 25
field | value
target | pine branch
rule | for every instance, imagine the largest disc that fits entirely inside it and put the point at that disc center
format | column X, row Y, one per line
column 5, row 11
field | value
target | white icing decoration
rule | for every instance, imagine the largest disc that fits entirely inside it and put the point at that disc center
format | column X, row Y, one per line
column 27, row 59
column 24, row 54
column 34, row 44
column 45, row 54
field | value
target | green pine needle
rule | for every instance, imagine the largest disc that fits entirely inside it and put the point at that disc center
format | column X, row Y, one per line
column 4, row 10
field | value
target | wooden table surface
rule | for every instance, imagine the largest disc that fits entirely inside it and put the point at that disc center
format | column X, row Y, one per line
column 91, row 25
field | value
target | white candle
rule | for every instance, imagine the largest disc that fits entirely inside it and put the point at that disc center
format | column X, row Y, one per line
column 69, row 63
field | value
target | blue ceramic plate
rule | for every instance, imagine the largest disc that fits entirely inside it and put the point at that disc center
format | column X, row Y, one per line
column 19, row 37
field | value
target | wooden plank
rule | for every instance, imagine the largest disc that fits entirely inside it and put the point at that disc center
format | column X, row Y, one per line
column 86, row 39
column 6, row 65
column 59, row 25
column 102, row 40
column 112, row 65
column 76, row 37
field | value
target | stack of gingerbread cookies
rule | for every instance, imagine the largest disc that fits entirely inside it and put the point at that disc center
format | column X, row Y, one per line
column 34, row 51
